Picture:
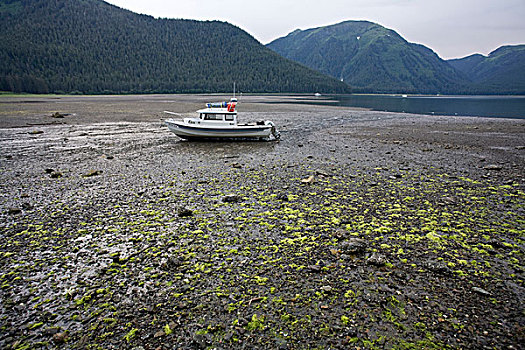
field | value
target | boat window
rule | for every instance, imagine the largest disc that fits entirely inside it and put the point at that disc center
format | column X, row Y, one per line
column 229, row 117
column 213, row 116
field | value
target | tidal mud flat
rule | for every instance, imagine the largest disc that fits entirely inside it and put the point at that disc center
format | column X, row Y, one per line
column 358, row 229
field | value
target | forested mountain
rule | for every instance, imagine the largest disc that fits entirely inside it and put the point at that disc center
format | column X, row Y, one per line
column 502, row 71
column 90, row 46
column 370, row 58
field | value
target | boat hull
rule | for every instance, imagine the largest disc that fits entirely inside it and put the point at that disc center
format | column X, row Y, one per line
column 186, row 131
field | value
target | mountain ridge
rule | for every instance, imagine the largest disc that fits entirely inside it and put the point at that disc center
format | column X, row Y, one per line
column 502, row 70
column 376, row 59
column 90, row 46
column 369, row 57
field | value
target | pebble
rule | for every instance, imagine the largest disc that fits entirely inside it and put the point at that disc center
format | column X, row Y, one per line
column 321, row 173
column 60, row 338
column 493, row 167
column 480, row 291
column 326, row 289
column 310, row 179
column 93, row 173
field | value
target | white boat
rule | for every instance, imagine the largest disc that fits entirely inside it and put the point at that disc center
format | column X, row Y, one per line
column 219, row 121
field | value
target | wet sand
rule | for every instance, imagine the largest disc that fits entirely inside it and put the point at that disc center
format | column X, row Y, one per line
column 357, row 229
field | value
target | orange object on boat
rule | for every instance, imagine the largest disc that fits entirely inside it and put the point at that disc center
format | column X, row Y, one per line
column 231, row 106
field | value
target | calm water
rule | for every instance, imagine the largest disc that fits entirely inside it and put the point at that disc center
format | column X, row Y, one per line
column 482, row 106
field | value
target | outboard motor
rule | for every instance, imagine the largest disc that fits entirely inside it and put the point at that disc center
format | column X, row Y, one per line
column 276, row 134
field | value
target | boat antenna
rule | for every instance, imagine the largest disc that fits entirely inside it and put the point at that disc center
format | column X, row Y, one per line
column 233, row 89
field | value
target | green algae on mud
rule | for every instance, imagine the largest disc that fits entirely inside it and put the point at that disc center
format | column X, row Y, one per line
column 106, row 261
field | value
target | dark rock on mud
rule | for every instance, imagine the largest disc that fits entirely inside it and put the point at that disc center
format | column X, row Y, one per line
column 480, row 291
column 353, row 246
column 14, row 211
column 376, row 259
column 60, row 338
column 57, row 115
column 436, row 266
column 231, row 198
column 185, row 212
column 493, row 167
column 92, row 173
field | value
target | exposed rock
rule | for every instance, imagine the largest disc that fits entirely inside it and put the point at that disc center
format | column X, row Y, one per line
column 436, row 266
column 93, row 173
column 60, row 338
column 493, row 167
column 283, row 197
column 321, row 173
column 326, row 289
column 49, row 331
column 57, row 115
column 201, row 341
column 27, row 206
column 14, row 211
column 231, row 198
column 172, row 262
column 376, row 259
column 340, row 234
column 35, row 132
column 310, row 179
column 449, row 200
column 116, row 258
column 480, row 291
column 185, row 212
column 314, row 268
column 353, row 246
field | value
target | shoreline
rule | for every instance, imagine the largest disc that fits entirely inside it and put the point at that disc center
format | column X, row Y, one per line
column 357, row 229
column 28, row 111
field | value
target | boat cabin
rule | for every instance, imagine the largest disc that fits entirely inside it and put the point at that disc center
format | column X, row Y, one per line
column 214, row 115
column 219, row 113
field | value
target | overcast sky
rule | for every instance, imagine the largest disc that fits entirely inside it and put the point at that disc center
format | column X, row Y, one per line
column 452, row 28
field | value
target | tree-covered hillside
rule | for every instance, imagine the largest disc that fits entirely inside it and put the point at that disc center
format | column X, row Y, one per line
column 502, row 71
column 90, row 46
column 370, row 58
